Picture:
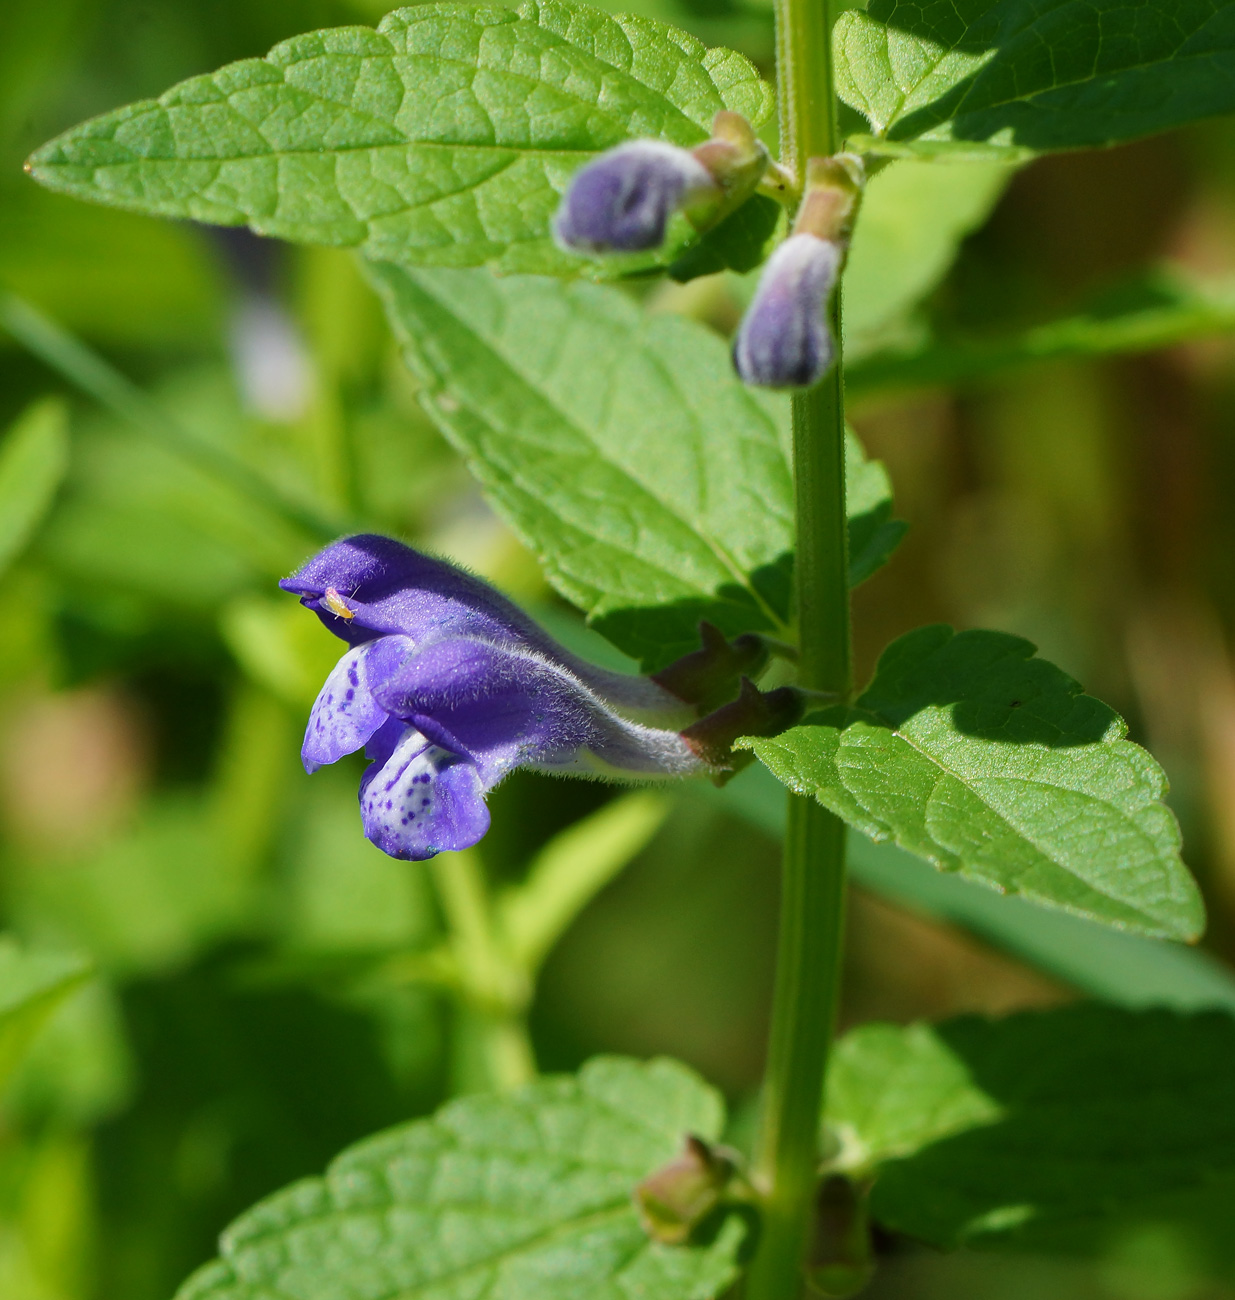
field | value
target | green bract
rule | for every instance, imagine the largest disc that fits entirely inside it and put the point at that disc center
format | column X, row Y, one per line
column 1019, row 77
column 526, row 1197
column 973, row 754
column 443, row 138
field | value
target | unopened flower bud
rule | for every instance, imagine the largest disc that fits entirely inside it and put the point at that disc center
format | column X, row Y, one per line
column 840, row 1262
column 784, row 340
column 680, row 1195
column 622, row 201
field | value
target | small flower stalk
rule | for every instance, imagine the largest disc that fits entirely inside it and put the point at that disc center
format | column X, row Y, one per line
column 621, row 202
column 784, row 340
column 448, row 687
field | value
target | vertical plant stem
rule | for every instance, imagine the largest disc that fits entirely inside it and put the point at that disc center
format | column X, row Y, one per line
column 813, row 879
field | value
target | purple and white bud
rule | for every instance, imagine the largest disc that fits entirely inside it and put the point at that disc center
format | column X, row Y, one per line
column 784, row 340
column 622, row 201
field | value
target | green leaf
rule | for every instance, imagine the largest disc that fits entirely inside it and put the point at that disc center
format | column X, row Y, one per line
column 526, row 1196
column 1125, row 969
column 33, row 459
column 1018, row 77
column 443, row 138
column 619, row 445
column 909, row 230
column 1155, row 310
column 973, row 754
column 1003, row 1132
column 873, row 533
column 32, row 986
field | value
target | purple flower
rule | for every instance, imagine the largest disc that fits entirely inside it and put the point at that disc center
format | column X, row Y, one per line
column 784, row 340
column 450, row 687
column 622, row 200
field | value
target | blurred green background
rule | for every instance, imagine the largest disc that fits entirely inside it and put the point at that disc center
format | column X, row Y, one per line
column 154, row 817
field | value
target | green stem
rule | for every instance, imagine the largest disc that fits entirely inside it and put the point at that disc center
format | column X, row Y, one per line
column 813, row 884
column 493, row 1049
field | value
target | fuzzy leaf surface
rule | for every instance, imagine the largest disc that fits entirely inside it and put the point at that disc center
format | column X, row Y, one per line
column 1019, row 77
column 1037, row 1128
column 619, row 445
column 445, row 137
column 525, row 1196
column 971, row 752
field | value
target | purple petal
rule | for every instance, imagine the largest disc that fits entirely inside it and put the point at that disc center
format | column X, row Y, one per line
column 784, row 341
column 388, row 588
column 623, row 199
column 417, row 799
column 505, row 708
column 345, row 713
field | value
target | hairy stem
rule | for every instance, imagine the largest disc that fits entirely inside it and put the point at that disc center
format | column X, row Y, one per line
column 813, row 880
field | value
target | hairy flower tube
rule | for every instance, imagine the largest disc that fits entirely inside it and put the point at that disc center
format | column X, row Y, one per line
column 450, row 687
column 784, row 340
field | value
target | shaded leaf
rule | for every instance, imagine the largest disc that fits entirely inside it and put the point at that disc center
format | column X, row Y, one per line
column 443, row 138
column 971, row 753
column 653, row 486
column 522, row 1195
column 1004, row 1132
column 1019, row 77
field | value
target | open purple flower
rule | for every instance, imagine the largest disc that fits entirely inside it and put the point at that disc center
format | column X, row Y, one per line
column 450, row 687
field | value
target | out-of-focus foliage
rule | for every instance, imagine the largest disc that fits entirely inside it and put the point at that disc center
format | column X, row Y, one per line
column 266, row 990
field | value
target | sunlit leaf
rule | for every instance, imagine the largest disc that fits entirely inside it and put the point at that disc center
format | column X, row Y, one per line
column 443, row 138
column 1126, row 969
column 653, row 486
column 526, row 1196
column 970, row 752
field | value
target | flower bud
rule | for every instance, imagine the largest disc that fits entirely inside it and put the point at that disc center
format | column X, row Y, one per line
column 622, row 201
column 680, row 1195
column 784, row 340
